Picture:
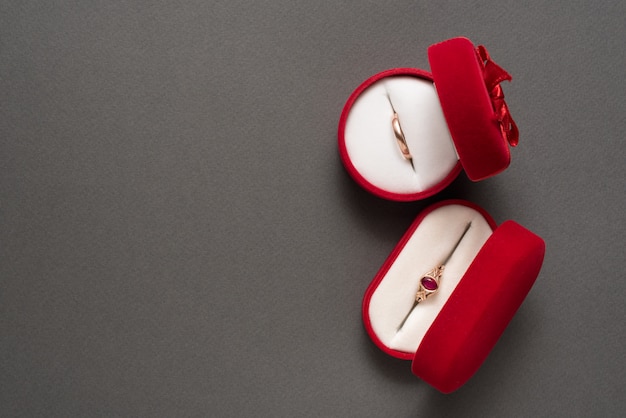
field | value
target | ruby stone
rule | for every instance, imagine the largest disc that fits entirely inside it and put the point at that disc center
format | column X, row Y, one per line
column 429, row 283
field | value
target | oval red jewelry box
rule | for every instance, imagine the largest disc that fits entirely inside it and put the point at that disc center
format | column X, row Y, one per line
column 452, row 119
column 488, row 271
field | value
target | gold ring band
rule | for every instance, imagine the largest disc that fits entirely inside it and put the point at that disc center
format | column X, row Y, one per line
column 400, row 139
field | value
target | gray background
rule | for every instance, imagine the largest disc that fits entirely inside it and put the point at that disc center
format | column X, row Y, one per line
column 178, row 236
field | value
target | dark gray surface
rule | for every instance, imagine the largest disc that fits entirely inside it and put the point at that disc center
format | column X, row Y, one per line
column 178, row 236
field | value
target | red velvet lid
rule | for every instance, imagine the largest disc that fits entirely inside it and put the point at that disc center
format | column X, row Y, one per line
column 479, row 309
column 467, row 82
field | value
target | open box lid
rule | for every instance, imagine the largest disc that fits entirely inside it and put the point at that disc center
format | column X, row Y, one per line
column 480, row 308
column 468, row 86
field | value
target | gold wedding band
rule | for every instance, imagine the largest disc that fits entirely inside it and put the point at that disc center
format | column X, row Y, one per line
column 399, row 134
column 400, row 139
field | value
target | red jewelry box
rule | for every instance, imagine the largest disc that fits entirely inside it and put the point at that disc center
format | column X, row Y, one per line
column 488, row 272
column 454, row 119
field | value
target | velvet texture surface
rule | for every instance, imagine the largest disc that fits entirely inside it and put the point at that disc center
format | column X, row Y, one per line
column 462, row 80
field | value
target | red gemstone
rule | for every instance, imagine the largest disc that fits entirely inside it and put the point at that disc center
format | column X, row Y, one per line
column 429, row 283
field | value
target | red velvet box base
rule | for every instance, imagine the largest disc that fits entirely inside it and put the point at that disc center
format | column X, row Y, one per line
column 459, row 121
column 449, row 335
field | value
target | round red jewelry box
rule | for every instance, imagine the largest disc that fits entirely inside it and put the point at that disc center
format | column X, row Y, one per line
column 452, row 119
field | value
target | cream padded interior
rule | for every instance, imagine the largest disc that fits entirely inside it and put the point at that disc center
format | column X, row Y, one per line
column 371, row 144
column 431, row 242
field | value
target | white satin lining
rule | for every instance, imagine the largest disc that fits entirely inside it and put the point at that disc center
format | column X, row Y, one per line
column 433, row 239
column 371, row 144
